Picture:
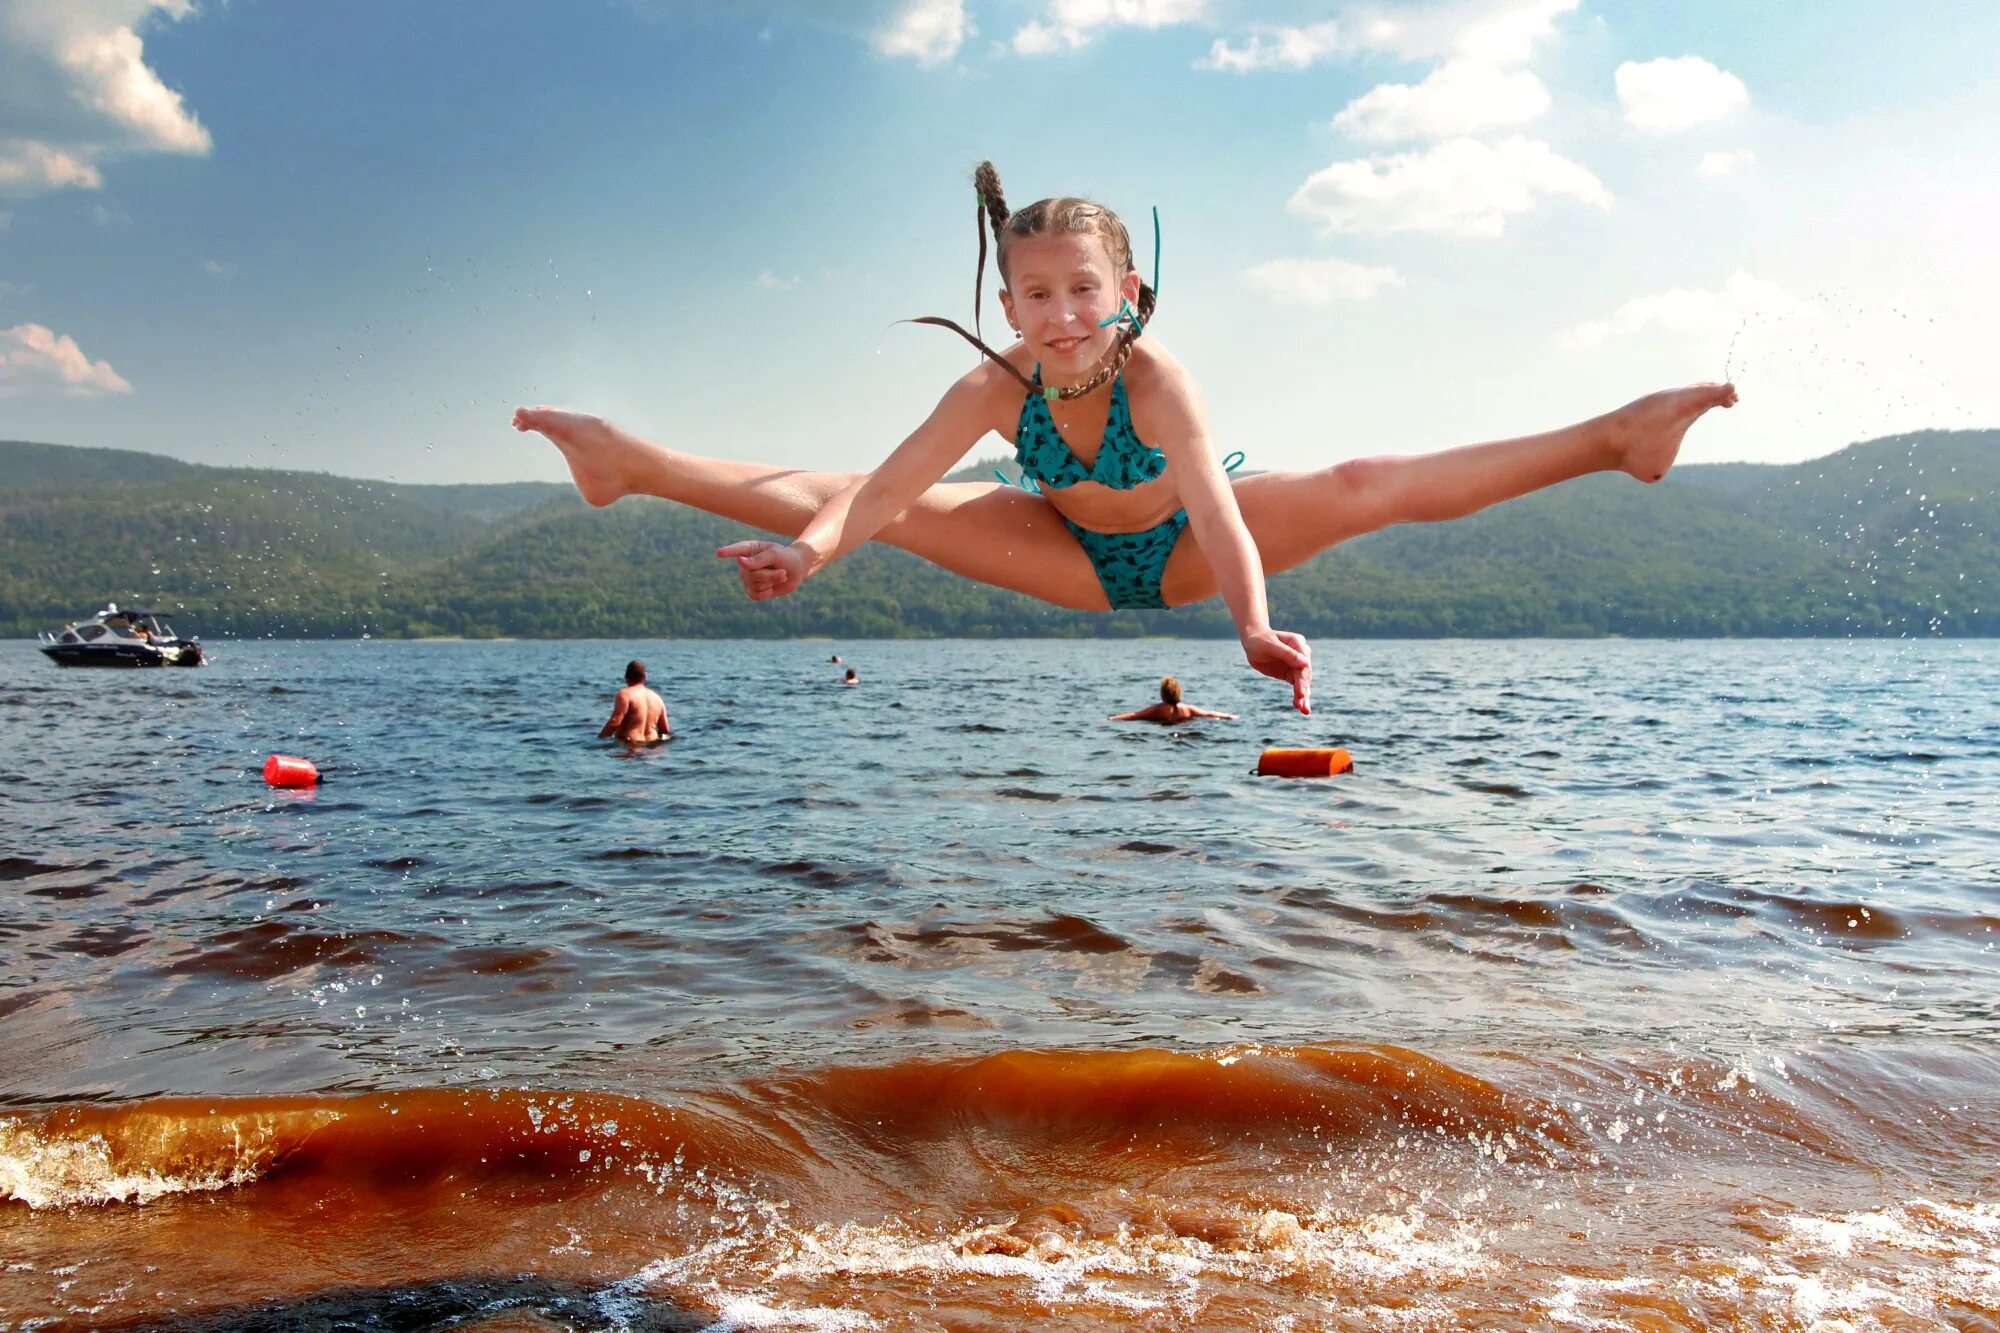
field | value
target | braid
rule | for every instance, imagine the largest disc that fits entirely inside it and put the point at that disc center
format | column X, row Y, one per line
column 986, row 180
column 993, row 212
column 1111, row 366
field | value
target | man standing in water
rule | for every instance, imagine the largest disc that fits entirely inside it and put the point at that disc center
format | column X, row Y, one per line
column 638, row 715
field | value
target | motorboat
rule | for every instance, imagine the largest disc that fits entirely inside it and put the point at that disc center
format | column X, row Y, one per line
column 117, row 638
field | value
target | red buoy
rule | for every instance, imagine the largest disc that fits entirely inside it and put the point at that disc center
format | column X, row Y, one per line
column 1304, row 763
column 282, row 770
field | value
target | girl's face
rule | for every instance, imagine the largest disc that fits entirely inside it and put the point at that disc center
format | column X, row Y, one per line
column 1059, row 290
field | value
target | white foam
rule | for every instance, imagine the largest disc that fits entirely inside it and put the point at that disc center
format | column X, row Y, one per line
column 744, row 1312
column 1126, row 1274
column 1914, row 1259
column 1566, row 1306
column 55, row 1171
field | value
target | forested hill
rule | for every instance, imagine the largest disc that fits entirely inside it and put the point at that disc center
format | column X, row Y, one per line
column 1889, row 537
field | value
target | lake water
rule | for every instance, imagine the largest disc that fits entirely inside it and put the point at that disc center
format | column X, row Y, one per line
column 1622, row 984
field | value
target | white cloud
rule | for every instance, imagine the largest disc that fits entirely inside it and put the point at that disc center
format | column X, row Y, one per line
column 1459, row 97
column 1489, row 32
column 768, row 281
column 1458, row 188
column 37, row 359
column 216, row 268
column 1727, row 164
column 1320, row 282
column 113, row 78
column 1670, row 95
column 75, row 88
column 1685, row 313
column 1275, row 48
column 1498, row 34
column 1494, row 32
column 1073, row 23
column 27, row 167
column 1038, row 39
column 927, row 31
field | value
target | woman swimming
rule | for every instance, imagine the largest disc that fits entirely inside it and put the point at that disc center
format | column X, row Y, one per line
column 1169, row 710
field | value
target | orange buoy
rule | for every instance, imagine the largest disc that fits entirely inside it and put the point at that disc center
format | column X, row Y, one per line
column 1304, row 763
column 282, row 770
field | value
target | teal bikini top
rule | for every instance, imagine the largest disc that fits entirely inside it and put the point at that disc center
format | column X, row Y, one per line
column 1123, row 461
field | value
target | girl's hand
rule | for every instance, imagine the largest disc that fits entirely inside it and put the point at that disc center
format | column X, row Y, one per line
column 1283, row 655
column 767, row 569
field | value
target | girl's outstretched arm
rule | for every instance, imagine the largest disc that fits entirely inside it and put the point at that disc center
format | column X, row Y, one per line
column 852, row 516
column 1179, row 428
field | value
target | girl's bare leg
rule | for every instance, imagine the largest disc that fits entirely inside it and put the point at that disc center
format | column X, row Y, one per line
column 1293, row 516
column 995, row 534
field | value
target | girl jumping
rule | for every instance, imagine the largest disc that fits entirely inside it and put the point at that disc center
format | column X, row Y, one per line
column 1133, row 506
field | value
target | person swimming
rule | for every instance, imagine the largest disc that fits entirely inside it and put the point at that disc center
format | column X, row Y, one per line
column 1169, row 710
column 638, row 713
column 1134, row 506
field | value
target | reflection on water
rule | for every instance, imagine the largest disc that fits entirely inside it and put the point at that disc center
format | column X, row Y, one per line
column 1620, row 983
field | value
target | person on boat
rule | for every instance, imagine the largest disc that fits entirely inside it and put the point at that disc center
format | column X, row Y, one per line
column 1133, row 506
column 1169, row 710
column 638, row 714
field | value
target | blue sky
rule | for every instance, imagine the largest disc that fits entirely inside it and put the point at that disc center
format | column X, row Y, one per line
column 352, row 237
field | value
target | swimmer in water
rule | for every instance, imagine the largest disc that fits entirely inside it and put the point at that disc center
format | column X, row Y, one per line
column 1169, row 710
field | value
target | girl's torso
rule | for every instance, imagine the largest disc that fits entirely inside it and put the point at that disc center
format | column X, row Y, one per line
column 1110, row 424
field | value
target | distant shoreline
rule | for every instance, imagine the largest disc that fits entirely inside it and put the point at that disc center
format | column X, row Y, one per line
column 1890, row 538
column 1117, row 638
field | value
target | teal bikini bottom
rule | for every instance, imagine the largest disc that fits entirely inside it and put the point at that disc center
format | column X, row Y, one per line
column 1129, row 564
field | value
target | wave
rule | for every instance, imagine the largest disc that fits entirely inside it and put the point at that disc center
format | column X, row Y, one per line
column 822, row 1130
column 26, row 867
column 271, row 949
column 787, row 1126
column 1239, row 1187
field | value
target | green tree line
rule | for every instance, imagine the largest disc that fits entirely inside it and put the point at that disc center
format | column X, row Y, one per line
column 1888, row 537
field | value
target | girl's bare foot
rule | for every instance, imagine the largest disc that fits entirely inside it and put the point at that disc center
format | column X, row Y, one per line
column 1647, row 432
column 600, row 456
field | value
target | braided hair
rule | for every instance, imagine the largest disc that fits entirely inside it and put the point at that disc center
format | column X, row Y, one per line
column 1048, row 217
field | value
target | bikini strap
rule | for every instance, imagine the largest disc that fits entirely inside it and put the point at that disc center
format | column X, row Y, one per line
column 1126, row 314
column 1026, row 483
